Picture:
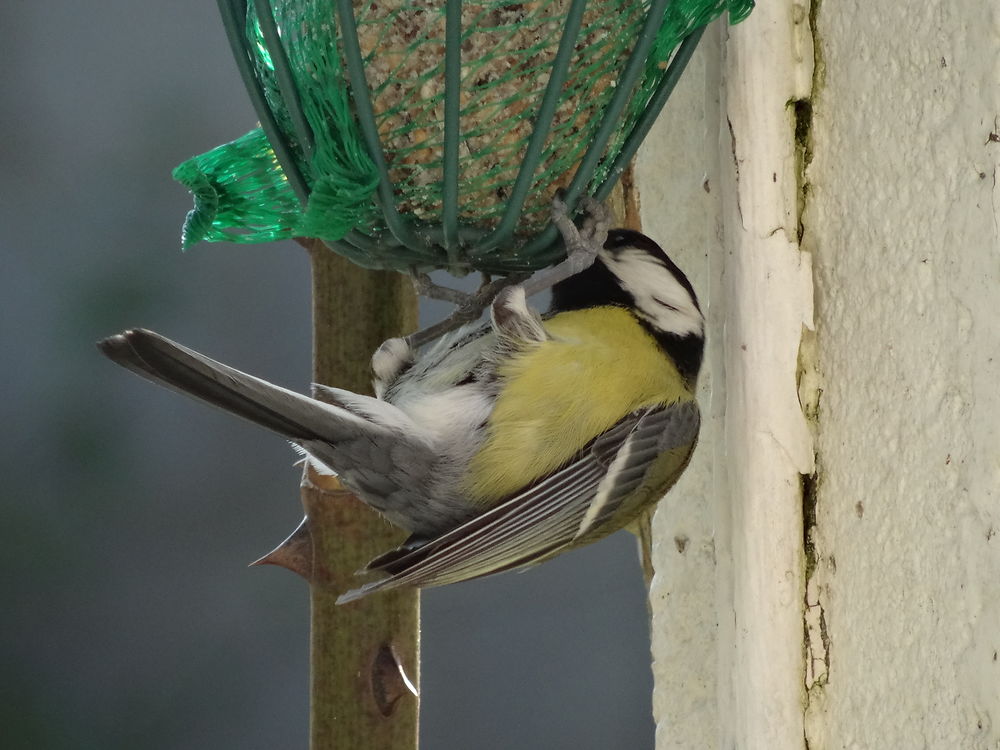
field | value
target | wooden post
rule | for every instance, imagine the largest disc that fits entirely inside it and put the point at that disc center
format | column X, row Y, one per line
column 364, row 655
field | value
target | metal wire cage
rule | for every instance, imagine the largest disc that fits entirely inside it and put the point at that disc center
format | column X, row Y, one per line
column 423, row 134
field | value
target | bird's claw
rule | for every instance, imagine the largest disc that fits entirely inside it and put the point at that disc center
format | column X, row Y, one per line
column 468, row 307
column 596, row 222
column 582, row 246
column 583, row 243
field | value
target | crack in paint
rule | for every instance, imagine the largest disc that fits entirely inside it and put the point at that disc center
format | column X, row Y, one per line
column 736, row 166
column 816, row 636
column 996, row 194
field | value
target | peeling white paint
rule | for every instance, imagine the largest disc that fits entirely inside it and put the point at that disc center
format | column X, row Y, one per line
column 728, row 610
column 817, row 648
column 767, row 289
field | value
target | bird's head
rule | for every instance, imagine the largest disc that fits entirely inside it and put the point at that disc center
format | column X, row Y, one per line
column 632, row 271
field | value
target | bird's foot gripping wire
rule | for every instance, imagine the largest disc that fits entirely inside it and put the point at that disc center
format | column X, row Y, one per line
column 582, row 246
column 468, row 306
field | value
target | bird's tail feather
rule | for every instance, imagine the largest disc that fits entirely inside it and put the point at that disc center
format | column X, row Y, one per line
column 290, row 414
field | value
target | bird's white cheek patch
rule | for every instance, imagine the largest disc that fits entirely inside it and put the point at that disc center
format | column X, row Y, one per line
column 659, row 296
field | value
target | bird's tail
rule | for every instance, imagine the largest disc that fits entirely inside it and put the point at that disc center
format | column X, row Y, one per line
column 167, row 363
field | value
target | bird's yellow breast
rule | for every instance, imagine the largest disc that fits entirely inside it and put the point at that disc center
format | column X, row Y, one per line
column 599, row 365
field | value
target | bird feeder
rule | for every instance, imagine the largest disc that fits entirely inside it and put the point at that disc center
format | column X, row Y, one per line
column 425, row 134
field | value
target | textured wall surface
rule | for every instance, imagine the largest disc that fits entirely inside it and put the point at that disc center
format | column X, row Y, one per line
column 676, row 173
column 902, row 219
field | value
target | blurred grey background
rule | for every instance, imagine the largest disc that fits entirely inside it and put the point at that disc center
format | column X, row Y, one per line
column 128, row 514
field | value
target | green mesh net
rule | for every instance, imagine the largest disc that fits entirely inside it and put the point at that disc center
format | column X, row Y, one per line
column 459, row 129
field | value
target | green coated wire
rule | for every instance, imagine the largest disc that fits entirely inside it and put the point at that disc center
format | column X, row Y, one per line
column 546, row 246
column 283, row 75
column 234, row 13
column 641, row 129
column 623, row 90
column 354, row 241
column 452, row 91
column 400, row 228
column 540, row 132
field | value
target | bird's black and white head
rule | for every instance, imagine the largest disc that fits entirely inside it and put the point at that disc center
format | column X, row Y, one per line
column 632, row 271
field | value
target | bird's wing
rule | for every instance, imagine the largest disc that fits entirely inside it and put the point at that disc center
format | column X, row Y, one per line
column 562, row 508
column 365, row 440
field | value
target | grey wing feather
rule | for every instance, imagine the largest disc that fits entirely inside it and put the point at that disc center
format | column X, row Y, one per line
column 657, row 432
column 550, row 515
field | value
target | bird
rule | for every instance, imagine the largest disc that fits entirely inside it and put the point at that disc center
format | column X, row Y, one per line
column 505, row 443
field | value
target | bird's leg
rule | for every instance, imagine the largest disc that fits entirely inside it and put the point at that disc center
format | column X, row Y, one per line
column 514, row 319
column 582, row 246
column 468, row 306
column 390, row 360
column 423, row 286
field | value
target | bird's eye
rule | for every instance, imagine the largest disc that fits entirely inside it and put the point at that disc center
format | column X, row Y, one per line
column 667, row 305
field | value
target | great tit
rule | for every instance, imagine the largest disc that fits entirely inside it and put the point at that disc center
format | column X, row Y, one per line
column 500, row 445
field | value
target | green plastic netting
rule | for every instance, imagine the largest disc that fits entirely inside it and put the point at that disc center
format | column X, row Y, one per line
column 434, row 133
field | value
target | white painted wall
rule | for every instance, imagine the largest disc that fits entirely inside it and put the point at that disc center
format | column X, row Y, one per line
column 677, row 175
column 902, row 218
column 883, row 631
